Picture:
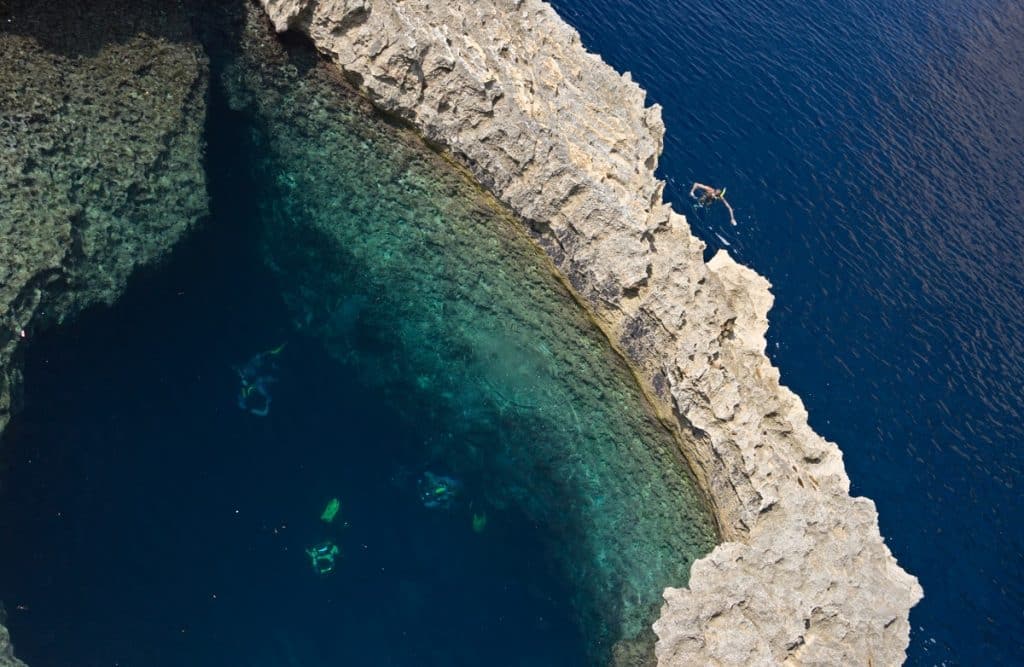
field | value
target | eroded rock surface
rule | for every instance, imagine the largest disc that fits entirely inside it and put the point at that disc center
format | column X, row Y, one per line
column 374, row 237
column 101, row 116
column 7, row 658
column 566, row 142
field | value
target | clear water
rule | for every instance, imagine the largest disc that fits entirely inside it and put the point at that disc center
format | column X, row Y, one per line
column 157, row 523
column 151, row 522
column 421, row 287
column 874, row 153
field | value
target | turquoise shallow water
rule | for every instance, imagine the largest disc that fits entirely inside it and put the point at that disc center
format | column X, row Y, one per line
column 158, row 523
column 424, row 289
column 874, row 153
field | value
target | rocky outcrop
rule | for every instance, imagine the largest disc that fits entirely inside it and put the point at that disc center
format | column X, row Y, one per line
column 568, row 144
column 101, row 118
column 7, row 658
column 412, row 278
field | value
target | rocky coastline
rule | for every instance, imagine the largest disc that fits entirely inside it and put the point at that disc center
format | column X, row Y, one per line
column 374, row 236
column 507, row 90
column 568, row 144
column 7, row 658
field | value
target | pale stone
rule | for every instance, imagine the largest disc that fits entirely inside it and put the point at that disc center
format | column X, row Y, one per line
column 7, row 658
column 505, row 86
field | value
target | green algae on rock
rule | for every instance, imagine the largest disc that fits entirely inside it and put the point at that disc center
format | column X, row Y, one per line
column 101, row 122
column 456, row 312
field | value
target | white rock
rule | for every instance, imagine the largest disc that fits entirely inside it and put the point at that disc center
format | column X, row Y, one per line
column 567, row 143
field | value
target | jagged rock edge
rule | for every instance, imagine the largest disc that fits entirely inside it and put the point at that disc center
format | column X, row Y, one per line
column 804, row 575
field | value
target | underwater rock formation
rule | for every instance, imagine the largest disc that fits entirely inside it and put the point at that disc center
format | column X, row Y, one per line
column 429, row 291
column 101, row 120
column 566, row 142
column 7, row 658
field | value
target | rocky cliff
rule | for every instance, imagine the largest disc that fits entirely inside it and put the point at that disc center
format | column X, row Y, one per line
column 568, row 144
column 101, row 119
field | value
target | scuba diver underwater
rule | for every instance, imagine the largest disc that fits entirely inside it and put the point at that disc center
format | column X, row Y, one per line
column 435, row 492
column 438, row 491
column 256, row 376
column 324, row 554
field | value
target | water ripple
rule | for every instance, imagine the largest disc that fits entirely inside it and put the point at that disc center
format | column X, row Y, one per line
column 875, row 156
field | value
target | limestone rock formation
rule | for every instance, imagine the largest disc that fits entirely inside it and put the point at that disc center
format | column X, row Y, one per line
column 469, row 318
column 101, row 117
column 568, row 144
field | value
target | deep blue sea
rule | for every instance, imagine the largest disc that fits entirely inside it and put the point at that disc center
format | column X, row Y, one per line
column 874, row 153
column 875, row 158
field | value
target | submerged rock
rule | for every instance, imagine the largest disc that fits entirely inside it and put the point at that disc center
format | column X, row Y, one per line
column 101, row 120
column 567, row 143
column 7, row 658
column 428, row 290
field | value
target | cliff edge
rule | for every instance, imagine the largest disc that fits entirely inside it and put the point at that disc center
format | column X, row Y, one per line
column 568, row 144
column 7, row 658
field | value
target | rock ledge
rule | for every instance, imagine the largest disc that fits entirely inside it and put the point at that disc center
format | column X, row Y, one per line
column 569, row 145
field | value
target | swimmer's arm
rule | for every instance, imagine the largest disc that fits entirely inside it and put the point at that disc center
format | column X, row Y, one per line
column 700, row 186
column 732, row 215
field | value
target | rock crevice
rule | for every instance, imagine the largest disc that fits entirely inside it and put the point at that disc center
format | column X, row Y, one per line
column 568, row 144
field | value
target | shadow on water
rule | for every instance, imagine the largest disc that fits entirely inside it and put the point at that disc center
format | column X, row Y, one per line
column 157, row 523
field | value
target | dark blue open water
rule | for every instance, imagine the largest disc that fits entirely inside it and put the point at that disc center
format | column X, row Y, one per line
column 876, row 161
column 874, row 153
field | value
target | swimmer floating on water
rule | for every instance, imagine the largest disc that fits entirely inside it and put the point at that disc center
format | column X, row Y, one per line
column 710, row 196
